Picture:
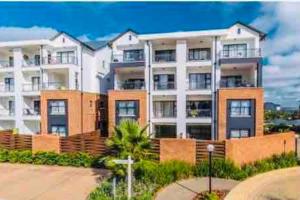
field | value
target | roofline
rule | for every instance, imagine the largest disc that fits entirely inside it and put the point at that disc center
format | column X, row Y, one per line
column 262, row 35
column 121, row 34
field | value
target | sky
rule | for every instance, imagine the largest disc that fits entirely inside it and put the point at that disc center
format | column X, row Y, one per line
column 102, row 21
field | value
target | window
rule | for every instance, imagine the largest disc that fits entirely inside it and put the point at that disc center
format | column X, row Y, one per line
column 129, row 37
column 199, row 54
column 65, row 57
column 164, row 81
column 231, row 81
column 198, row 108
column 10, row 61
column 239, row 133
column 238, row 31
column 165, row 55
column 235, row 50
column 165, row 131
column 59, row 129
column 127, row 110
column 200, row 132
column 76, row 80
column 164, row 109
column 36, row 107
column 199, row 81
column 57, row 107
column 240, row 108
column 9, row 84
column 133, row 55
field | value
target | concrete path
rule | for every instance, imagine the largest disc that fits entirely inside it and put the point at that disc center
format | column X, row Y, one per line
column 281, row 184
column 188, row 189
column 33, row 182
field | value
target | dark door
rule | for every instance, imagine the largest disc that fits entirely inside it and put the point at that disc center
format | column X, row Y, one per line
column 36, row 106
column 9, row 84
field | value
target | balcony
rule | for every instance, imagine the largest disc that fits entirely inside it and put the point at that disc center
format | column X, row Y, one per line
column 164, row 109
column 29, row 87
column 6, row 114
column 198, row 113
column 4, row 64
column 54, row 86
column 7, row 88
column 235, row 83
column 164, row 85
column 163, row 56
column 60, row 60
column 131, row 85
column 129, row 58
column 240, row 53
column 31, row 63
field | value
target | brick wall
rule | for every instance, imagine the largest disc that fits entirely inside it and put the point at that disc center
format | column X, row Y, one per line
column 114, row 95
column 90, row 113
column 240, row 93
column 247, row 150
column 178, row 149
column 45, row 143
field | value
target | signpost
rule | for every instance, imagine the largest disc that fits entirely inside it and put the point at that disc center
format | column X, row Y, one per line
column 127, row 162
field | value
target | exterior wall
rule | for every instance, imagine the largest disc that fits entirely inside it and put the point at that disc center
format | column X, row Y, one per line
column 90, row 114
column 240, row 93
column 114, row 95
column 247, row 150
column 178, row 149
column 45, row 143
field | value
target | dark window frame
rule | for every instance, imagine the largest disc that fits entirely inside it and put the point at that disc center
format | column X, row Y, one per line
column 132, row 55
column 135, row 108
column 238, row 110
column 197, row 54
column 198, row 77
column 59, row 107
column 163, row 109
column 240, row 132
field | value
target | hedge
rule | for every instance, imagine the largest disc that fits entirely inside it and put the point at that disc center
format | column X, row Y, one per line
column 78, row 159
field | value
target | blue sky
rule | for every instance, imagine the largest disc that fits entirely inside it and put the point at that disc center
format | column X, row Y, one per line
column 90, row 21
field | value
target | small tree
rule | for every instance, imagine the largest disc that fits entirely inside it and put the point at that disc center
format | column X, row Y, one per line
column 128, row 139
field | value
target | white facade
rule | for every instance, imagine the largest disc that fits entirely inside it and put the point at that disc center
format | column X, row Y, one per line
column 174, row 75
column 60, row 63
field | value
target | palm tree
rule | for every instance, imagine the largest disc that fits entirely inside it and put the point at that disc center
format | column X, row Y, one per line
column 128, row 139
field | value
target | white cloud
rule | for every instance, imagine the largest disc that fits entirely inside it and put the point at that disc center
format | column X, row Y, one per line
column 19, row 33
column 282, row 48
column 84, row 38
column 108, row 37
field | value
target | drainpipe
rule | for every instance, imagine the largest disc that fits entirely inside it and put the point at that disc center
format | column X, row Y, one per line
column 81, row 90
column 149, row 86
column 215, row 92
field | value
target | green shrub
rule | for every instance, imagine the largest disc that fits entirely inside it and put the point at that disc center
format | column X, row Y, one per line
column 3, row 155
column 211, row 196
column 45, row 158
column 15, row 156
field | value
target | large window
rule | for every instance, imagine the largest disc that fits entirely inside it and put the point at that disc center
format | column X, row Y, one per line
column 66, row 57
column 235, row 50
column 198, row 108
column 164, row 109
column 127, row 110
column 201, row 132
column 133, row 55
column 239, row 133
column 58, row 129
column 231, row 81
column 165, row 131
column 199, row 54
column 165, row 55
column 240, row 108
column 199, row 81
column 57, row 107
column 164, row 81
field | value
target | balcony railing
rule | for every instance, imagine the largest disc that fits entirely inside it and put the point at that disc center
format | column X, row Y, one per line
column 242, row 53
column 165, row 57
column 7, row 88
column 54, row 86
column 29, row 87
column 7, row 112
column 230, row 84
column 31, row 112
column 56, row 60
column 131, row 85
column 196, row 113
column 164, row 85
column 121, row 58
column 6, row 64
column 199, row 85
column 200, row 54
column 31, row 63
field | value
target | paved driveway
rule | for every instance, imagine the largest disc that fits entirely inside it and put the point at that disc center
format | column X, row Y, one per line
column 32, row 182
column 281, row 184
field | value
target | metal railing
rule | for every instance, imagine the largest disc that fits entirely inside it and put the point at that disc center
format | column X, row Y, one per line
column 30, row 112
column 121, row 58
column 245, row 53
column 54, row 60
column 54, row 86
column 131, row 85
column 164, row 85
column 170, row 57
column 6, row 64
column 230, row 84
column 198, row 85
column 198, row 55
column 29, row 87
column 7, row 88
column 194, row 113
column 31, row 63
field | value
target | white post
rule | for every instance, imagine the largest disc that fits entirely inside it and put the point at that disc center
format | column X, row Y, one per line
column 129, row 178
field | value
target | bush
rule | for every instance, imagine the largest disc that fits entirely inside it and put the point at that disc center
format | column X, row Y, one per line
column 211, row 196
column 78, row 159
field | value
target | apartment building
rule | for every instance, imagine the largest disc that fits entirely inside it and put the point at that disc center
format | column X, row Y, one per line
column 199, row 84
column 54, row 85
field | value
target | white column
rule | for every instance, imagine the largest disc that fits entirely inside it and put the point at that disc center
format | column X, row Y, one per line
column 71, row 78
column 181, row 48
column 18, row 79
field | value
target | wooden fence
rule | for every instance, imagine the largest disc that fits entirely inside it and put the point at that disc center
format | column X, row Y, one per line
column 11, row 141
column 91, row 143
column 201, row 149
